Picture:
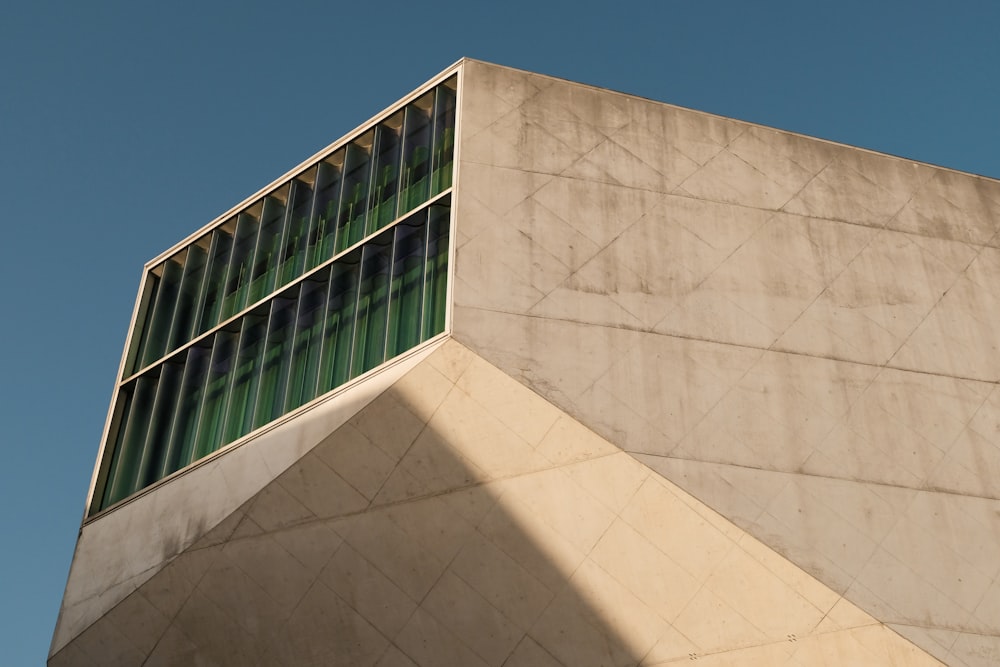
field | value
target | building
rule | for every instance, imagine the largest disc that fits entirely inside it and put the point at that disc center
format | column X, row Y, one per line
column 524, row 372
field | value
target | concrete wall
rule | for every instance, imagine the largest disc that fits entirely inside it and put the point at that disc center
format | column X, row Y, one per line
column 460, row 519
column 800, row 334
column 700, row 293
column 121, row 550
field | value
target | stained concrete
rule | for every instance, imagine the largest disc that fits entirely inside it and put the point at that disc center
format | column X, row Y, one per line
column 799, row 333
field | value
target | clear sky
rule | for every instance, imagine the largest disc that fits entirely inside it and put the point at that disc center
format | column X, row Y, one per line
column 125, row 126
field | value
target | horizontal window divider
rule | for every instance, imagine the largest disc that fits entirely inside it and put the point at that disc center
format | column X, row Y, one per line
column 287, row 287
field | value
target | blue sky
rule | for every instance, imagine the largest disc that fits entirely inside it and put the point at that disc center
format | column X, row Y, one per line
column 125, row 126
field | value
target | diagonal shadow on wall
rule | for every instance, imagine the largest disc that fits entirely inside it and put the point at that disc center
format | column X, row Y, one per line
column 460, row 519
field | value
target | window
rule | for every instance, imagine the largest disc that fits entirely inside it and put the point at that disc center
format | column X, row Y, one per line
column 332, row 273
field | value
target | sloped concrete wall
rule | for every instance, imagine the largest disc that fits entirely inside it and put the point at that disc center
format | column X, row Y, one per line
column 460, row 519
column 801, row 334
column 120, row 551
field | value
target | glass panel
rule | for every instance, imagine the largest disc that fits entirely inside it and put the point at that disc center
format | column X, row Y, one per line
column 444, row 137
column 183, row 430
column 376, row 302
column 385, row 173
column 277, row 354
column 373, row 291
column 147, row 300
column 128, row 451
column 354, row 202
column 414, row 183
column 246, row 377
column 158, row 429
column 188, row 294
column 406, row 289
column 214, row 403
column 240, row 262
column 293, row 253
column 163, row 310
column 436, row 278
column 265, row 264
column 338, row 329
column 307, row 342
column 324, row 228
column 215, row 276
column 124, row 409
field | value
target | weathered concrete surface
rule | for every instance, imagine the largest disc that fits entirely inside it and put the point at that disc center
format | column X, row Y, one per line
column 460, row 519
column 118, row 552
column 801, row 334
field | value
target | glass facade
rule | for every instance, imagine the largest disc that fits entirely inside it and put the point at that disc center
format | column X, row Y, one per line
column 322, row 279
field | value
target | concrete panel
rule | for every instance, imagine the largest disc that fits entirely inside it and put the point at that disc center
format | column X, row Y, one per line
column 953, row 206
column 586, row 558
column 800, row 327
column 124, row 548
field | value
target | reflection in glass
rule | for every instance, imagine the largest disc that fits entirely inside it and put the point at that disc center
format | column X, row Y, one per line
column 265, row 263
column 277, row 357
column 306, row 342
column 373, row 299
column 444, row 139
column 240, row 263
column 338, row 329
column 188, row 294
column 158, row 429
column 414, row 182
column 246, row 376
column 385, row 172
column 324, row 229
column 406, row 290
column 215, row 276
column 293, row 254
column 184, row 425
column 162, row 312
column 354, row 202
column 436, row 280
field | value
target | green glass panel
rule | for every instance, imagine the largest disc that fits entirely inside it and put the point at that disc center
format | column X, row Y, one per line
column 296, row 237
column 265, row 264
column 414, row 179
column 184, row 426
column 122, row 480
column 240, row 265
column 385, row 181
column 215, row 277
column 187, row 296
column 338, row 328
column 354, row 202
column 163, row 310
column 124, row 409
column 444, row 139
column 277, row 355
column 373, row 293
column 307, row 342
column 214, row 402
column 137, row 346
column 323, row 230
column 436, row 278
column 246, row 376
column 156, row 447
column 406, row 287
